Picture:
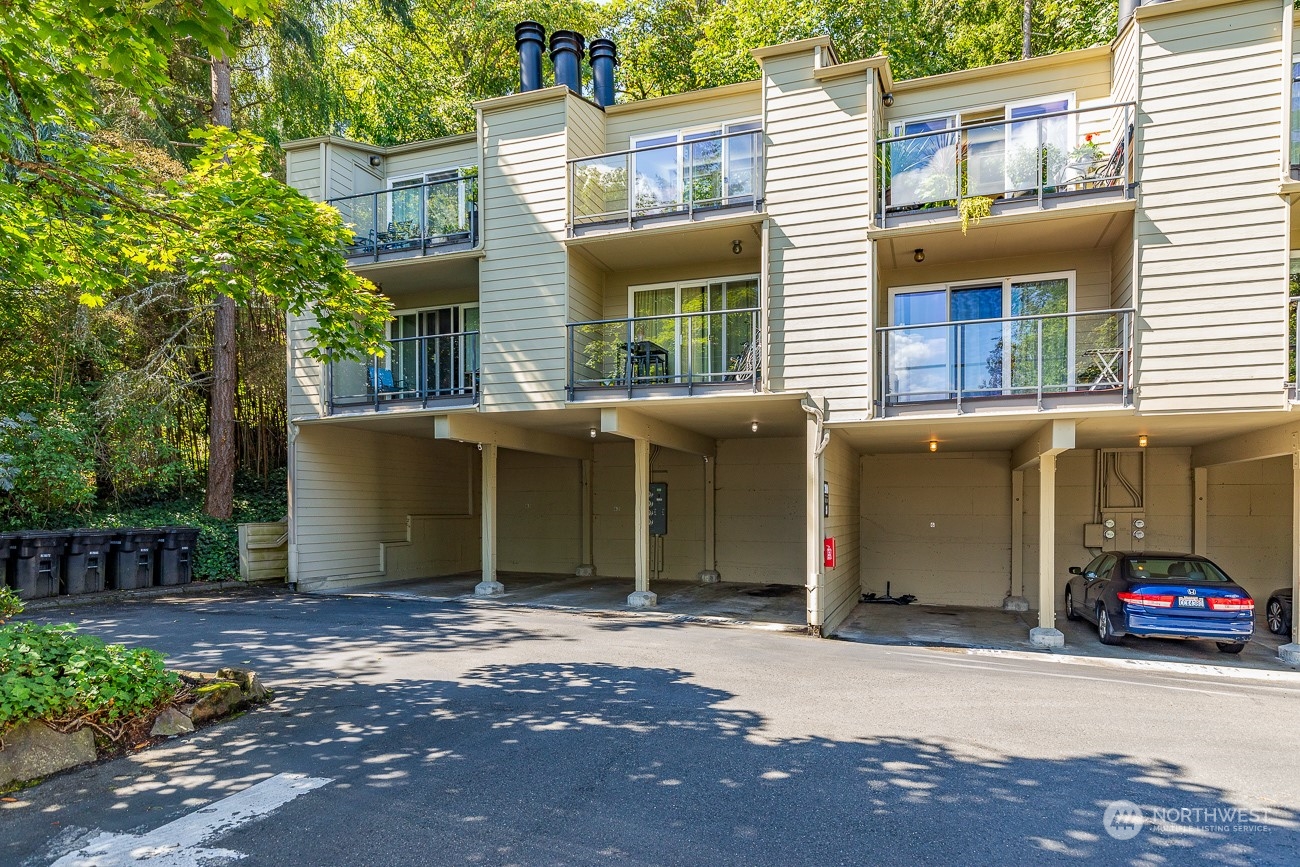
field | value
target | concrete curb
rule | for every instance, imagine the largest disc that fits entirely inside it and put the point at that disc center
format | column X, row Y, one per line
column 1146, row 665
column 49, row 603
column 641, row 614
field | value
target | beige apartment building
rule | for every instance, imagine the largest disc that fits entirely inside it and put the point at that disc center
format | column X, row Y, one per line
column 953, row 334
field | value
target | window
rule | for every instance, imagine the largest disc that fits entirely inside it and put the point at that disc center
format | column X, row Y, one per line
column 431, row 351
column 433, row 204
column 704, row 328
column 967, row 337
column 710, row 166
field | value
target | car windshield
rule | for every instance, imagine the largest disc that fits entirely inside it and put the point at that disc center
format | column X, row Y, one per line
column 1174, row 569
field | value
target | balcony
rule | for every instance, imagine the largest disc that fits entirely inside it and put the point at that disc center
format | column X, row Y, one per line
column 700, row 178
column 1042, row 362
column 690, row 353
column 414, row 220
column 999, row 167
column 415, row 373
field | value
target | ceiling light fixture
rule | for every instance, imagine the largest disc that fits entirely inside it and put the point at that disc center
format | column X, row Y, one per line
column 1142, row 441
column 753, row 426
column 918, row 254
column 934, row 445
column 593, row 433
column 736, row 247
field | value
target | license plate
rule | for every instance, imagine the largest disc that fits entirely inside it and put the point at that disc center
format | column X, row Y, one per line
column 1191, row 602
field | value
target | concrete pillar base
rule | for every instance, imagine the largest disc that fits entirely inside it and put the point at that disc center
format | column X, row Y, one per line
column 586, row 570
column 489, row 588
column 642, row 599
column 1289, row 654
column 1015, row 603
column 709, row 576
column 1045, row 636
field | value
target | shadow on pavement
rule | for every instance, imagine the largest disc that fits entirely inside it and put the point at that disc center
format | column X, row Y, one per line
column 594, row 764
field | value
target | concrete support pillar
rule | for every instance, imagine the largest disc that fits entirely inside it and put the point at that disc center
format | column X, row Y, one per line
column 588, row 567
column 1200, row 509
column 813, row 525
column 1046, row 634
column 1290, row 652
column 489, row 586
column 709, row 574
column 642, row 597
column 1016, row 600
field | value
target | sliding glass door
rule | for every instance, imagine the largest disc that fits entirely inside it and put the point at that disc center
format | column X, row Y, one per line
column 704, row 332
column 972, row 340
column 432, row 354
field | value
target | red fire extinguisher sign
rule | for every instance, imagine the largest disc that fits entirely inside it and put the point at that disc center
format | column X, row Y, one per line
column 828, row 552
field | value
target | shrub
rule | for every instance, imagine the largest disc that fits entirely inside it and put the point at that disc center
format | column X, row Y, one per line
column 53, row 674
column 10, row 604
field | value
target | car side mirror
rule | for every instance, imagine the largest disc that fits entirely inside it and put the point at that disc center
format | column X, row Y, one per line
column 1076, row 570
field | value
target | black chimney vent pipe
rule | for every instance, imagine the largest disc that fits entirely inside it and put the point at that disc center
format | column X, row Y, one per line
column 604, row 57
column 530, row 39
column 566, row 55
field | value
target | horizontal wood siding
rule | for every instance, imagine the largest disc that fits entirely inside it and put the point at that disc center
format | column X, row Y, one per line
column 623, row 126
column 302, row 171
column 434, row 158
column 818, row 191
column 523, row 275
column 1088, row 78
column 355, row 489
column 841, row 586
column 306, row 397
column 1212, row 233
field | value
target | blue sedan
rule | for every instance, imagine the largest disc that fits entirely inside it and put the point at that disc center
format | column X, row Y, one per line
column 1160, row 596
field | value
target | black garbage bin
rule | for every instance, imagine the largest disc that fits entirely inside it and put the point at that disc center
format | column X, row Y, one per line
column 176, row 558
column 136, row 557
column 37, row 564
column 85, row 569
column 8, row 549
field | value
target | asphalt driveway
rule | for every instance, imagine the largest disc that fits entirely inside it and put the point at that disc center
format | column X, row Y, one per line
column 444, row 733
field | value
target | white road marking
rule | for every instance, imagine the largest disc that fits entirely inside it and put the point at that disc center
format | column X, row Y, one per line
column 179, row 843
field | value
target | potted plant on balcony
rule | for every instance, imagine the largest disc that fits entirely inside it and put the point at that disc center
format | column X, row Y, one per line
column 1085, row 161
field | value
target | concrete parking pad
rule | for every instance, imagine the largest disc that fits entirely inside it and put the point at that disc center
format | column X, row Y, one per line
column 994, row 629
column 779, row 604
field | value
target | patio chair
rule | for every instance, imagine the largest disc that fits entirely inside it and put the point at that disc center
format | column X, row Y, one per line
column 387, row 384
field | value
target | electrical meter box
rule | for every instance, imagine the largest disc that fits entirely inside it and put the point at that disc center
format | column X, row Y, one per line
column 1122, row 531
column 658, row 508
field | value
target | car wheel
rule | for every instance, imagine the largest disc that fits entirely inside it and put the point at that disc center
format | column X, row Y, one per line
column 1276, row 617
column 1104, row 631
column 1230, row 647
column 1070, row 613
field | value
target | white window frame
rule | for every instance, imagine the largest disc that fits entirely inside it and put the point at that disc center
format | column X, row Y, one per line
column 459, row 308
column 679, row 136
column 430, row 176
column 677, row 286
column 1071, row 301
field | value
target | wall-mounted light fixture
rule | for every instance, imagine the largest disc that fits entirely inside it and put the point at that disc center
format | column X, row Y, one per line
column 934, row 445
column 592, row 432
column 736, row 247
column 1142, row 441
column 887, row 99
column 376, row 161
column 918, row 254
column 753, row 427
column 480, row 447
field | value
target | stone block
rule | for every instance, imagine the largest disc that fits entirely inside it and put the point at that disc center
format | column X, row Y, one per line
column 33, row 750
column 171, row 722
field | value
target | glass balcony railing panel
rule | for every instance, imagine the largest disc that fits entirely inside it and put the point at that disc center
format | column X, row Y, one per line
column 1047, row 354
column 676, row 350
column 1040, row 155
column 1292, row 339
column 420, row 217
column 708, row 172
column 436, row 367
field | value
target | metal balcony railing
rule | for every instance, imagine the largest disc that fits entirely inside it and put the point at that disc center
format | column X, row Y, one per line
column 683, row 350
column 1026, row 159
column 441, row 368
column 1019, row 356
column 417, row 220
column 705, row 175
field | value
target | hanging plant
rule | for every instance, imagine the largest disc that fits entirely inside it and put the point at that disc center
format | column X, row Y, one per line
column 973, row 209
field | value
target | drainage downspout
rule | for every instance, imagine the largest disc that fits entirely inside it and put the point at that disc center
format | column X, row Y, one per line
column 816, row 441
